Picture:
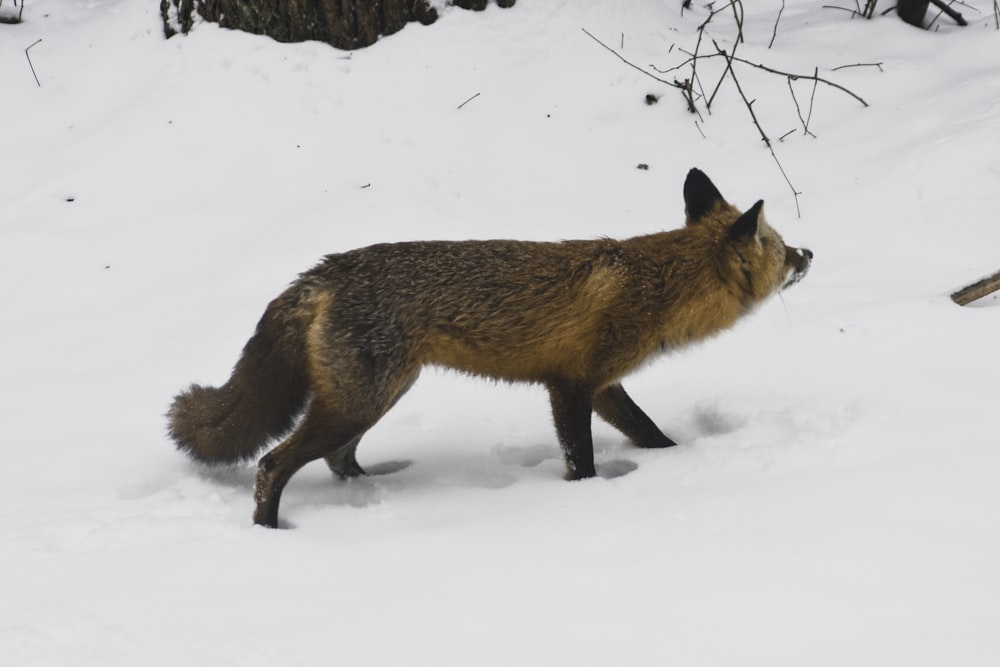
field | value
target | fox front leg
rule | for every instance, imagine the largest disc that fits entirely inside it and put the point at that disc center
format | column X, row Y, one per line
column 617, row 408
column 572, row 407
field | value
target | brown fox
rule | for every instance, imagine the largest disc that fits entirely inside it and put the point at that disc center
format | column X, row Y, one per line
column 349, row 337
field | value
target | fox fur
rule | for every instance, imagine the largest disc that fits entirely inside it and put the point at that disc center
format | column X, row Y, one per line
column 338, row 348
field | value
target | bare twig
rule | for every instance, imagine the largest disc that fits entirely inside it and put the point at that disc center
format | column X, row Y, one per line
column 675, row 84
column 694, row 63
column 693, row 90
column 815, row 77
column 798, row 110
column 694, row 66
column 763, row 135
column 737, row 6
column 701, row 33
column 694, row 108
column 469, row 100
column 722, row 78
column 854, row 12
column 774, row 35
column 840, row 67
column 812, row 98
column 725, row 73
column 812, row 77
column 29, row 59
column 686, row 87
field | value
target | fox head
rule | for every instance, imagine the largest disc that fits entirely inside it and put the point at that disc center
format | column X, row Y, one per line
column 753, row 256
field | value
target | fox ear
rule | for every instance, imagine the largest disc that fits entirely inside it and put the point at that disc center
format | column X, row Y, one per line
column 747, row 224
column 700, row 195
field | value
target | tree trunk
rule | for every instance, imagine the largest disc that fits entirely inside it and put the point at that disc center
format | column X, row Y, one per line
column 345, row 24
column 912, row 11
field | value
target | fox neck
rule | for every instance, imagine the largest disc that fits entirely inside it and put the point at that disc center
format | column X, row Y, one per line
column 697, row 299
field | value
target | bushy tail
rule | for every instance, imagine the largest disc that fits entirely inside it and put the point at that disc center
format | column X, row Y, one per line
column 266, row 392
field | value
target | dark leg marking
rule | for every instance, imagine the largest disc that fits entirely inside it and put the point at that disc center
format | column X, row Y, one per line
column 317, row 436
column 617, row 408
column 344, row 462
column 572, row 408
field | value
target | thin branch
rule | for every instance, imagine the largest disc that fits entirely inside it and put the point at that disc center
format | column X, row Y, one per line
column 686, row 87
column 29, row 60
column 840, row 67
column 675, row 67
column 694, row 58
column 763, row 135
column 737, row 6
column 468, row 100
column 844, row 9
column 693, row 107
column 725, row 73
column 811, row 77
column 694, row 64
column 814, row 77
column 774, row 35
column 812, row 99
column 675, row 84
column 798, row 110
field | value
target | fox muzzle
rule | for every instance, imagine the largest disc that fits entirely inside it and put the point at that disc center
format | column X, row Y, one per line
column 801, row 259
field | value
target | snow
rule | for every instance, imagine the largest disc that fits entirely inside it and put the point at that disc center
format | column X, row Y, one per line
column 834, row 497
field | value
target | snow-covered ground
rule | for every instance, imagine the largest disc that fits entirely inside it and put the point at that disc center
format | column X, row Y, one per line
column 834, row 499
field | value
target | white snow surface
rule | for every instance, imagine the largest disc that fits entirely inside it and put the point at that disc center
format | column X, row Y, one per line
column 834, row 497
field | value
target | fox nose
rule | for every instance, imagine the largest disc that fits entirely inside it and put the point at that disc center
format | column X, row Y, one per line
column 803, row 258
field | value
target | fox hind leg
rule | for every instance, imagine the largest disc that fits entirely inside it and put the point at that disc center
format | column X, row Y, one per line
column 617, row 408
column 320, row 434
column 344, row 463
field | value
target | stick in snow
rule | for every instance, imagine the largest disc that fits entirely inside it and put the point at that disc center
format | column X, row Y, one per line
column 977, row 290
column 29, row 61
